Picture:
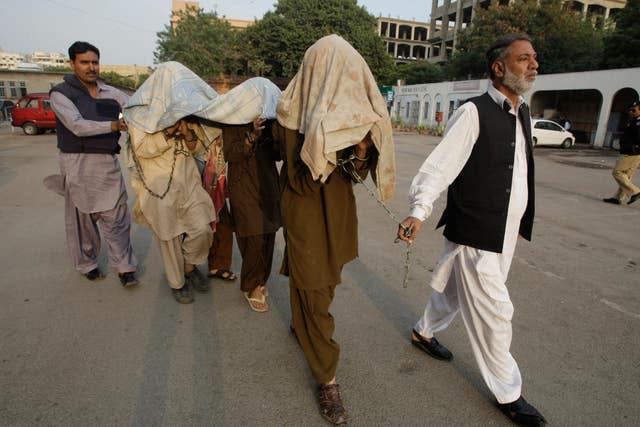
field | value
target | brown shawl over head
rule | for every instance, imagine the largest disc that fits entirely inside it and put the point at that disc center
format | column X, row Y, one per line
column 334, row 101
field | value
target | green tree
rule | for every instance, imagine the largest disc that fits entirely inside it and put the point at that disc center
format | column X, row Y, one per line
column 420, row 72
column 282, row 36
column 563, row 40
column 113, row 78
column 202, row 42
column 622, row 46
column 142, row 78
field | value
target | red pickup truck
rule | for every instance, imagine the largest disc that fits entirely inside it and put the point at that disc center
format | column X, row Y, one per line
column 33, row 114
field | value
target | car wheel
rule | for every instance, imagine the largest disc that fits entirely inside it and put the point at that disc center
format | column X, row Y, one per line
column 30, row 128
column 566, row 143
column 535, row 141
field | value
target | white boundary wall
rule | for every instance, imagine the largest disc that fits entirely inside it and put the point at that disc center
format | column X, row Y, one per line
column 416, row 104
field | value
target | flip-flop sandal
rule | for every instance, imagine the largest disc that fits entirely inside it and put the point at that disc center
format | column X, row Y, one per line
column 224, row 274
column 258, row 305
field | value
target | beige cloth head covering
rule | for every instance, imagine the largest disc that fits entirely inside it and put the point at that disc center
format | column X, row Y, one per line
column 334, row 101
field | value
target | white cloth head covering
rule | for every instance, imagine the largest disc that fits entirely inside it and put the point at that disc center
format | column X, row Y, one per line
column 334, row 101
column 174, row 92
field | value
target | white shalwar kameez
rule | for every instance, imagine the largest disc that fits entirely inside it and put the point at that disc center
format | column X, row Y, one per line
column 467, row 279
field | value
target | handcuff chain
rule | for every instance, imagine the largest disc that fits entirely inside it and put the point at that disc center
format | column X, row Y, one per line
column 178, row 149
column 406, row 230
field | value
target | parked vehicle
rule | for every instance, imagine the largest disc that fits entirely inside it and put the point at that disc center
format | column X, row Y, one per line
column 5, row 109
column 34, row 114
column 546, row 132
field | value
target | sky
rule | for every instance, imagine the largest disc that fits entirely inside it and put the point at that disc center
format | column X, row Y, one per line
column 125, row 30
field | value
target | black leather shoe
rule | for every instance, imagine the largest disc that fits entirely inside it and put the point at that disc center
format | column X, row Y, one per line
column 184, row 295
column 128, row 279
column 522, row 413
column 197, row 280
column 94, row 275
column 433, row 348
column 612, row 200
column 633, row 198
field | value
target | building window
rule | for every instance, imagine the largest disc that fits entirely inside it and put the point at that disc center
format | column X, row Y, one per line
column 13, row 92
column 2, row 94
column 23, row 88
column 392, row 31
column 408, row 108
column 426, row 110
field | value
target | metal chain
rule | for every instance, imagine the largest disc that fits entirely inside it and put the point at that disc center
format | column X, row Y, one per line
column 343, row 163
column 178, row 148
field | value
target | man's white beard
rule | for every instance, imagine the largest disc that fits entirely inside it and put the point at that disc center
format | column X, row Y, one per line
column 518, row 85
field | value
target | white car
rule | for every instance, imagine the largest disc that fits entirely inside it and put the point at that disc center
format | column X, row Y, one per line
column 546, row 132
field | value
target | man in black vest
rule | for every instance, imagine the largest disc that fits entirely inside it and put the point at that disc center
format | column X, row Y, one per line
column 485, row 161
column 88, row 128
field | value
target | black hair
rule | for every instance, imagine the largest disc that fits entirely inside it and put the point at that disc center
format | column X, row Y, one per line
column 82, row 47
column 500, row 48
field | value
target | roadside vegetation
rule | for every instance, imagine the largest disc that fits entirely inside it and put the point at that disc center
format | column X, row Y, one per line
column 274, row 46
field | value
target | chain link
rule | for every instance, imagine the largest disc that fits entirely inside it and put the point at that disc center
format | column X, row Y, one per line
column 352, row 171
column 178, row 148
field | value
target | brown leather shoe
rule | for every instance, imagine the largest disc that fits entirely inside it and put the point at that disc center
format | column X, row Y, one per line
column 331, row 406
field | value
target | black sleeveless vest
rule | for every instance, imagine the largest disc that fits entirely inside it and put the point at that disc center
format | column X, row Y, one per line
column 90, row 109
column 478, row 199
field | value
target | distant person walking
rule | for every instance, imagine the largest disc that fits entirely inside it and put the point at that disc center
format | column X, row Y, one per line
column 485, row 160
column 88, row 129
column 629, row 159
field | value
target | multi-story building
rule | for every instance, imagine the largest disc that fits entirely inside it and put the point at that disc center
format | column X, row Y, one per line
column 449, row 17
column 10, row 61
column 405, row 40
column 182, row 6
column 48, row 59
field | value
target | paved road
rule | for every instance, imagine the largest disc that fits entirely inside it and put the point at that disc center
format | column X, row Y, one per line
column 74, row 353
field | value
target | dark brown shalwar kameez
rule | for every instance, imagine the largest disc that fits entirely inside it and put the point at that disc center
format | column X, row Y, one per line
column 321, row 234
column 254, row 195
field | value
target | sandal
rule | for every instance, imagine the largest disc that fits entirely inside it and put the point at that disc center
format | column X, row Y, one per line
column 258, row 305
column 224, row 274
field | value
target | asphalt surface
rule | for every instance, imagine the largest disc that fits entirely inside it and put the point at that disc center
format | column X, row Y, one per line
column 75, row 353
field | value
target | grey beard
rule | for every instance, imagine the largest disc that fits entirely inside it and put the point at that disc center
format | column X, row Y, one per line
column 518, row 85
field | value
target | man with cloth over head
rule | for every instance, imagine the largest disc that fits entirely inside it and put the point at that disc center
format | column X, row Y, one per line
column 331, row 112
column 88, row 129
column 486, row 161
column 165, row 138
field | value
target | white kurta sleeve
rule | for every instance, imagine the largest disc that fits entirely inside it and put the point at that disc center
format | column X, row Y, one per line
column 446, row 161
